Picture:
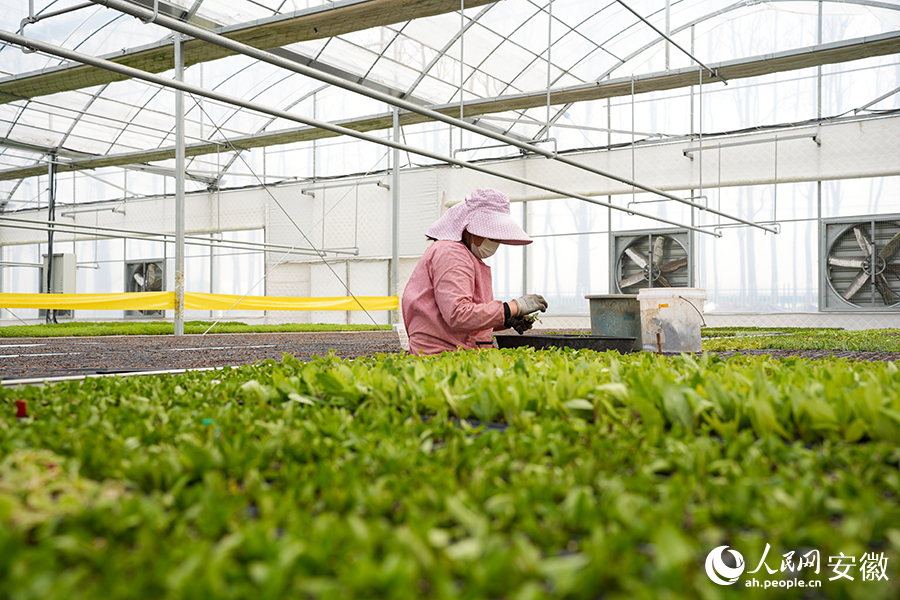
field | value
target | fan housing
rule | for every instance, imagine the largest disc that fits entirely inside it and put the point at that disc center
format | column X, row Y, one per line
column 645, row 259
column 861, row 264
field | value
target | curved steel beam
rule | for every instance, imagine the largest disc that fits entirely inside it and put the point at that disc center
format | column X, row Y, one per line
column 270, row 58
column 336, row 129
column 318, row 22
column 712, row 15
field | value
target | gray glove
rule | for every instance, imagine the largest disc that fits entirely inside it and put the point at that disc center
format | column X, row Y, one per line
column 530, row 303
column 519, row 324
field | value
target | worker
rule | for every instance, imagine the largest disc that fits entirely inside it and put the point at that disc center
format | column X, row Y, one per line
column 449, row 303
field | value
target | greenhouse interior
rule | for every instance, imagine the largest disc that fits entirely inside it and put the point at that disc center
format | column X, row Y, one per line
column 758, row 135
column 217, row 220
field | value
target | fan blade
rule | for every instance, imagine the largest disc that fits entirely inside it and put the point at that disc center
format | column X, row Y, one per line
column 894, row 269
column 845, row 262
column 154, row 277
column 637, row 257
column 664, row 281
column 658, row 249
column 857, row 283
column 673, row 265
column 884, row 289
column 890, row 249
column 139, row 280
column 631, row 281
column 863, row 241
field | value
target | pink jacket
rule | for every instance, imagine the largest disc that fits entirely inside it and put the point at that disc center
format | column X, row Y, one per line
column 449, row 301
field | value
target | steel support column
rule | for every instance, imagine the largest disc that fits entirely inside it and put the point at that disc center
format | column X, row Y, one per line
column 395, row 211
column 525, row 277
column 51, row 217
column 179, row 188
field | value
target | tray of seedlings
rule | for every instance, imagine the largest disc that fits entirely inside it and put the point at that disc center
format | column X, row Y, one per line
column 542, row 341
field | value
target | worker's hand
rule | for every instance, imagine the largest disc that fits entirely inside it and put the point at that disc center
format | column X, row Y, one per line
column 530, row 303
column 518, row 323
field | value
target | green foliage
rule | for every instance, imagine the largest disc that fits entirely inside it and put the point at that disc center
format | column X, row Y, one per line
column 869, row 340
column 616, row 476
column 78, row 328
column 716, row 332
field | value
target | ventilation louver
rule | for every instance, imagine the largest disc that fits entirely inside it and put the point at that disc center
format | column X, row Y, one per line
column 862, row 265
column 650, row 259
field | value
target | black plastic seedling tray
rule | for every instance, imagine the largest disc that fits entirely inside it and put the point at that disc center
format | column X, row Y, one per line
column 600, row 343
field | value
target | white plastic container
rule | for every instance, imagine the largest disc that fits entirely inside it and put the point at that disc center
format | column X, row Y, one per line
column 676, row 314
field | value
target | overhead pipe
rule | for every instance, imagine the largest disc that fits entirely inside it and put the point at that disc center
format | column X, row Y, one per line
column 33, row 18
column 268, row 57
column 133, row 73
column 114, row 232
column 712, row 72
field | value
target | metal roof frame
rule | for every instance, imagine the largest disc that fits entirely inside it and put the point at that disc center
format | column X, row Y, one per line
column 314, row 23
column 187, row 29
column 130, row 72
column 736, row 6
column 178, row 13
column 789, row 60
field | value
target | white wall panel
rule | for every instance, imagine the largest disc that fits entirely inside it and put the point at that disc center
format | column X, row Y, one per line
column 373, row 224
column 288, row 280
column 369, row 278
column 292, row 214
column 420, row 197
column 328, row 280
column 849, row 150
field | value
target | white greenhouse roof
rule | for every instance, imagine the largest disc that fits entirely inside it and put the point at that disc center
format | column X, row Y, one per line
column 510, row 59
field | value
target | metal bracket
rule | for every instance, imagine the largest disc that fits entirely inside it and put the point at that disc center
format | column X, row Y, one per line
column 814, row 137
column 27, row 21
column 717, row 228
column 155, row 14
column 33, row 18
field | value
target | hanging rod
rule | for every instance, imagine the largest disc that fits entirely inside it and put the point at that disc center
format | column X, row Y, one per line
column 329, row 186
column 814, row 137
column 100, row 231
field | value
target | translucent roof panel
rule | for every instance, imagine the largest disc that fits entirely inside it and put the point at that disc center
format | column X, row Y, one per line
column 492, row 51
column 94, row 30
column 231, row 12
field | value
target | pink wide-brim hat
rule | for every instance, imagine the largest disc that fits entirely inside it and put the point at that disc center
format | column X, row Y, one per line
column 484, row 213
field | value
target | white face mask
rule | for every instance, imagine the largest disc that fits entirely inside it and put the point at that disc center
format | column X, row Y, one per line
column 486, row 249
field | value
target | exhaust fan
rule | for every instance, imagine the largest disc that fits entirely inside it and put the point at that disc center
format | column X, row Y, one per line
column 650, row 259
column 862, row 265
column 144, row 277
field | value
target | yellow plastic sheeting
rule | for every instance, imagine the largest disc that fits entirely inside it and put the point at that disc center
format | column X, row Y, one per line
column 123, row 301
column 198, row 301
column 193, row 301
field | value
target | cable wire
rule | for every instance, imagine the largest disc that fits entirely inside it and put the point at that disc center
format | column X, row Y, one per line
column 16, row 316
